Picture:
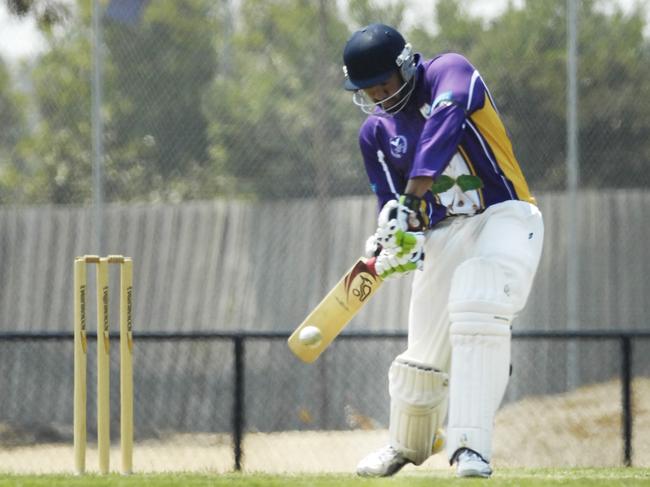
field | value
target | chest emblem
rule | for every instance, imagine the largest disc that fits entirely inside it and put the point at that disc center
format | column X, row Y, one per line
column 398, row 146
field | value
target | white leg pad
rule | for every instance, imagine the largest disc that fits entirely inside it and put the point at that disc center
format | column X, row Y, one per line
column 418, row 405
column 481, row 310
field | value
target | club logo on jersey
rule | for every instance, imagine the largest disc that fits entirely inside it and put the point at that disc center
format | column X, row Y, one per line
column 442, row 100
column 426, row 111
column 398, row 146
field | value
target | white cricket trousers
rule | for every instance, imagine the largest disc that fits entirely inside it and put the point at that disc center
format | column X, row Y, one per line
column 509, row 233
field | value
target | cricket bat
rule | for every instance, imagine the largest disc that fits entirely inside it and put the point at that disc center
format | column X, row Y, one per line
column 337, row 309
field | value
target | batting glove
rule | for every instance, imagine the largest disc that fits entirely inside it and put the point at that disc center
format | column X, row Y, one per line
column 417, row 220
column 392, row 263
column 373, row 248
column 409, row 212
column 396, row 221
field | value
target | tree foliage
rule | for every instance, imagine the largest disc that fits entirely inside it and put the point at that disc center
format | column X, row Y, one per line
column 153, row 76
column 202, row 102
column 13, row 123
column 279, row 122
column 522, row 55
column 47, row 13
column 157, row 74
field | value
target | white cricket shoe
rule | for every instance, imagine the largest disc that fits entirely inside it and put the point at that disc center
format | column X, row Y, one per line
column 471, row 464
column 382, row 463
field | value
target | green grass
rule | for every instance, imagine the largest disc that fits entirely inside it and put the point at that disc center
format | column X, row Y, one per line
column 515, row 478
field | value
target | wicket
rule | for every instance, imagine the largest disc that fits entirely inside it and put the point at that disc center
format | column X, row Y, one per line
column 103, row 361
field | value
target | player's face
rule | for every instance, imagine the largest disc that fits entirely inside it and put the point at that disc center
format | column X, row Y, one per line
column 386, row 91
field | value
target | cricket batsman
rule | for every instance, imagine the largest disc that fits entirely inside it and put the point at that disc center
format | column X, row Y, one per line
column 450, row 189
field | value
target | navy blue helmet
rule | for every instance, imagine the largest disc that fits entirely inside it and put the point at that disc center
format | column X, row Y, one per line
column 372, row 54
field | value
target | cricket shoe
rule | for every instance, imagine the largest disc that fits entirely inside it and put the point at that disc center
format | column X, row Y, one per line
column 471, row 464
column 382, row 463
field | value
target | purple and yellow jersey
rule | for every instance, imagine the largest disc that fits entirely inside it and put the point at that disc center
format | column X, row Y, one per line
column 451, row 131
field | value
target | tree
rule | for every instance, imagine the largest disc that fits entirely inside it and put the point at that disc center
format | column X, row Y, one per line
column 47, row 13
column 197, row 104
column 614, row 77
column 522, row 56
column 154, row 75
column 283, row 99
column 364, row 12
column 13, row 123
column 157, row 74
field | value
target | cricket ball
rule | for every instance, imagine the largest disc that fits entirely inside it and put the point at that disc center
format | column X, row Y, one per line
column 310, row 336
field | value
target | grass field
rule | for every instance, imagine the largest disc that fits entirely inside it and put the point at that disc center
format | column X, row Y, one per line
column 515, row 478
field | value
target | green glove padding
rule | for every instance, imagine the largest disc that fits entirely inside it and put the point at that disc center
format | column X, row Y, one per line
column 406, row 241
column 407, row 256
column 400, row 269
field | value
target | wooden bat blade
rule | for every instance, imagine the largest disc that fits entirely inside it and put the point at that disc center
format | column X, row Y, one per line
column 337, row 309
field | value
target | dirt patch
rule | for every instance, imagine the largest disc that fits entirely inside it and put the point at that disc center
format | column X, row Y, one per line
column 581, row 428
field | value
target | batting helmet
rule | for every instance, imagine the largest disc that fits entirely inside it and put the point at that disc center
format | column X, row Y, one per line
column 372, row 54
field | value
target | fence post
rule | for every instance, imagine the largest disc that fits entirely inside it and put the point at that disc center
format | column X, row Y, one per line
column 238, row 415
column 626, row 379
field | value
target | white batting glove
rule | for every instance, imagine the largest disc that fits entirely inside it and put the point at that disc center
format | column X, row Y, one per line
column 372, row 246
column 391, row 264
column 393, row 217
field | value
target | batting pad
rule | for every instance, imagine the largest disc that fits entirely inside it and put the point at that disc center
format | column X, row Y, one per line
column 480, row 310
column 418, row 405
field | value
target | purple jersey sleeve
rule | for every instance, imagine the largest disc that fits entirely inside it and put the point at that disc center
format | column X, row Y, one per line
column 385, row 181
column 451, row 79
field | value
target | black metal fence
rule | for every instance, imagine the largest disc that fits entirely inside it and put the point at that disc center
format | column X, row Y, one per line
column 245, row 349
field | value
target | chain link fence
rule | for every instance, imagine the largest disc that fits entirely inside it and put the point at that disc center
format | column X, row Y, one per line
column 213, row 143
column 218, row 402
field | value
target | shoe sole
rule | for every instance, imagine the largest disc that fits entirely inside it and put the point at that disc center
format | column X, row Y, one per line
column 389, row 473
column 473, row 473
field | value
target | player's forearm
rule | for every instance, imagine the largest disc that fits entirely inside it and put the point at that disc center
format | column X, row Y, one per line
column 418, row 185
